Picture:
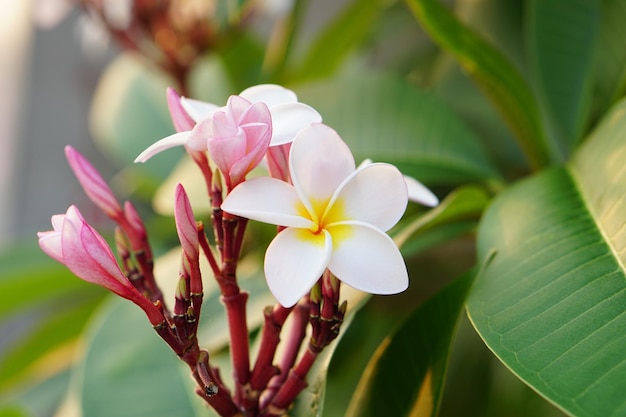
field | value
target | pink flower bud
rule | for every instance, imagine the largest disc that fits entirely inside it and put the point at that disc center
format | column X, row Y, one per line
column 182, row 121
column 188, row 235
column 78, row 246
column 92, row 182
column 185, row 223
column 138, row 233
column 237, row 137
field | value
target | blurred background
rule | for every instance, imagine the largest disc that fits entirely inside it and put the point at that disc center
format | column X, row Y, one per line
column 65, row 80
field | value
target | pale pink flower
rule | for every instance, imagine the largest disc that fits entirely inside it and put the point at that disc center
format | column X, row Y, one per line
column 335, row 216
column 74, row 243
column 288, row 116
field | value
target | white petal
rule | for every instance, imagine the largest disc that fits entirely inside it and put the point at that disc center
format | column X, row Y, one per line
column 267, row 200
column 270, row 94
column 177, row 139
column 374, row 194
column 294, row 261
column 319, row 161
column 288, row 119
column 419, row 193
column 196, row 109
column 367, row 259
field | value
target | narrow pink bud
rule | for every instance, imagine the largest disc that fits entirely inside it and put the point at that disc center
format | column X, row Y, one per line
column 92, row 182
column 134, row 226
column 182, row 121
column 186, row 223
column 188, row 235
column 74, row 243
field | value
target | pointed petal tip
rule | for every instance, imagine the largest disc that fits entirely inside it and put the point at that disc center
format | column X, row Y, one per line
column 419, row 193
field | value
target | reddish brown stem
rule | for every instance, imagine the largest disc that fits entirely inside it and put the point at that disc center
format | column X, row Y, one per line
column 264, row 370
column 295, row 335
column 239, row 344
column 206, row 249
column 293, row 385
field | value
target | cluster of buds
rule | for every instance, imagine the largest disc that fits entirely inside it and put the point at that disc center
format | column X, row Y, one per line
column 331, row 219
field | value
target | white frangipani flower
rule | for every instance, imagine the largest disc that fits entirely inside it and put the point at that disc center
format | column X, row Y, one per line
column 335, row 216
column 418, row 192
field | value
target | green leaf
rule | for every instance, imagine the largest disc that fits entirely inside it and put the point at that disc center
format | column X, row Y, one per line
column 41, row 399
column 53, row 331
column 501, row 82
column 387, row 119
column 562, row 45
column 333, row 44
column 408, row 368
column 463, row 204
column 30, row 279
column 128, row 370
column 610, row 57
column 551, row 305
column 12, row 412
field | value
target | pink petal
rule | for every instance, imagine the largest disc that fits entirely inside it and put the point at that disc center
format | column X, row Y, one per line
column 256, row 113
column 419, row 193
column 181, row 119
column 267, row 200
column 289, row 118
column 177, row 139
column 318, row 163
column 269, row 94
column 196, row 109
column 294, row 261
column 374, row 194
column 367, row 259
column 237, row 107
column 278, row 161
column 50, row 243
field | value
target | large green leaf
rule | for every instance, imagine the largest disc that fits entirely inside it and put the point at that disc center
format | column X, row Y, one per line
column 387, row 119
column 408, row 368
column 464, row 205
column 333, row 44
column 30, row 279
column 551, row 305
column 498, row 78
column 562, row 44
column 610, row 57
column 54, row 330
column 128, row 370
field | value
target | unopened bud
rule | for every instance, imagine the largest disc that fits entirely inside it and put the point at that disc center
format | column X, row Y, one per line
column 316, row 294
column 93, row 184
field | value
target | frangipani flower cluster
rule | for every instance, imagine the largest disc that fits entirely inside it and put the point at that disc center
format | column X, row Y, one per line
column 332, row 216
